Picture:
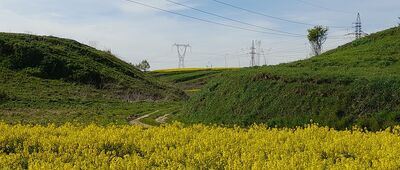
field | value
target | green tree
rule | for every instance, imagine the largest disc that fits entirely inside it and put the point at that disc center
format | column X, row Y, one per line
column 317, row 37
column 144, row 65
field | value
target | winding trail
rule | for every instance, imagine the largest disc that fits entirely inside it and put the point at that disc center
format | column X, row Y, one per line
column 160, row 120
column 138, row 122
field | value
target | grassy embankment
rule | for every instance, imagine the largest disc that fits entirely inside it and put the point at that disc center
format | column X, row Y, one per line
column 355, row 84
column 191, row 80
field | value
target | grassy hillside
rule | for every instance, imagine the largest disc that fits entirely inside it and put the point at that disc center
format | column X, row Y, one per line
column 355, row 84
column 189, row 79
column 67, row 60
column 27, row 99
column 52, row 80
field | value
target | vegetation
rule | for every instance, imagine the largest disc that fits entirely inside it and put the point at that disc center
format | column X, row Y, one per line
column 27, row 99
column 194, row 69
column 169, row 114
column 317, row 37
column 69, row 61
column 189, row 79
column 355, row 84
column 37, row 88
column 195, row 147
column 144, row 66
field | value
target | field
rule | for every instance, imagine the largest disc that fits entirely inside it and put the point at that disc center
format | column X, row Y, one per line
column 194, row 69
column 191, row 80
column 106, row 114
column 97, row 112
column 195, row 147
column 89, row 86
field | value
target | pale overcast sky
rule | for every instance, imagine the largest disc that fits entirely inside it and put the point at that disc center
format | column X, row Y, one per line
column 134, row 32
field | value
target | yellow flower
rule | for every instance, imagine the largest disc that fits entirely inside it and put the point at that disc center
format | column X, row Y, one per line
column 196, row 147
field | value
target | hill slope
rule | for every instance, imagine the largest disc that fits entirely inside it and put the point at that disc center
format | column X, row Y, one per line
column 358, row 83
column 54, row 58
column 52, row 80
column 191, row 80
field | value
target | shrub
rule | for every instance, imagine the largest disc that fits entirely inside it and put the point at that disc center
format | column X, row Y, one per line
column 3, row 96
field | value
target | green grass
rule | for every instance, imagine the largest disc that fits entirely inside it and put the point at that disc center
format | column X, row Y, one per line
column 195, row 69
column 54, row 58
column 52, row 80
column 171, row 110
column 189, row 79
column 355, row 84
column 32, row 100
column 101, row 113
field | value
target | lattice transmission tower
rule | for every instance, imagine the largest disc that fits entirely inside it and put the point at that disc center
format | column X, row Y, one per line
column 358, row 32
column 182, row 50
column 255, row 53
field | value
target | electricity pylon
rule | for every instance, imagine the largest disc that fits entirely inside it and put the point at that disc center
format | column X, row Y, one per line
column 255, row 49
column 252, row 53
column 358, row 32
column 182, row 49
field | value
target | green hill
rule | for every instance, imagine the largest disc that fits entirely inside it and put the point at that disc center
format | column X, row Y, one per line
column 67, row 60
column 355, row 84
column 53, row 80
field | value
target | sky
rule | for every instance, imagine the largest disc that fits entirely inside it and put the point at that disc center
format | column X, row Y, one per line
column 135, row 32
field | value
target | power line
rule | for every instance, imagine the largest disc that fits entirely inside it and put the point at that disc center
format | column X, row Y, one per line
column 230, row 19
column 322, row 7
column 289, row 49
column 270, row 16
column 208, row 21
column 290, row 52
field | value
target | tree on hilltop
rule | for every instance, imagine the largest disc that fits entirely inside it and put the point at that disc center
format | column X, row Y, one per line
column 317, row 37
column 143, row 65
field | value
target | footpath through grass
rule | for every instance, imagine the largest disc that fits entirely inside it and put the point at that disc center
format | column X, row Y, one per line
column 26, row 99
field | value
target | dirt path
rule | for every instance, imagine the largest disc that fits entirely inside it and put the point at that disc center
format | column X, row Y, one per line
column 138, row 122
column 162, row 119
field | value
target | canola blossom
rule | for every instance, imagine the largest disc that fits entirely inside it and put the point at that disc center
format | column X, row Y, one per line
column 195, row 147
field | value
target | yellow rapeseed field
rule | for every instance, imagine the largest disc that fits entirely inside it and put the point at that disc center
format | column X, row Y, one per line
column 195, row 147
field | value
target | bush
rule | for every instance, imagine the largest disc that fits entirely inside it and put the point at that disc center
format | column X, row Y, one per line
column 26, row 56
column 3, row 96
column 54, row 68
